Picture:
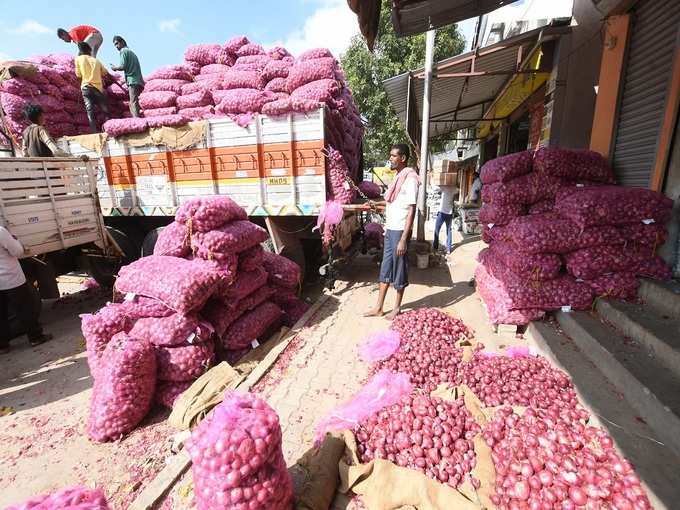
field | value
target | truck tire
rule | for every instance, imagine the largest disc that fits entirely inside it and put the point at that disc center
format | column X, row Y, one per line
column 149, row 242
column 104, row 270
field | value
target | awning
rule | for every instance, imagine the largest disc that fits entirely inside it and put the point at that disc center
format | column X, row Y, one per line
column 465, row 86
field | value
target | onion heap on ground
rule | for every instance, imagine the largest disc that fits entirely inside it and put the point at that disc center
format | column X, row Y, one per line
column 560, row 233
column 208, row 292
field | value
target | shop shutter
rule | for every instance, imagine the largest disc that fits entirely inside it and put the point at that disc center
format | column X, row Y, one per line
column 647, row 76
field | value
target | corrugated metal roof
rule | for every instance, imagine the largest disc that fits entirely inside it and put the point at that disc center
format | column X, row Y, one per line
column 459, row 102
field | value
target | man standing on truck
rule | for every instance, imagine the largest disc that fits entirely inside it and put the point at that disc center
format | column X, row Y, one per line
column 82, row 33
column 36, row 141
column 400, row 208
column 129, row 64
column 15, row 289
column 91, row 71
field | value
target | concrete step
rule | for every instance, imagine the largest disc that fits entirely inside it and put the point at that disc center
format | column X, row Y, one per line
column 656, row 464
column 657, row 334
column 662, row 297
column 650, row 388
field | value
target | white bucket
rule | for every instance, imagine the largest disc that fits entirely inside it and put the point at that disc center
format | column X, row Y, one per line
column 422, row 260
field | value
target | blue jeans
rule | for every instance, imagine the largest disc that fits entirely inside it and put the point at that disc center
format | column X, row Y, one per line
column 443, row 218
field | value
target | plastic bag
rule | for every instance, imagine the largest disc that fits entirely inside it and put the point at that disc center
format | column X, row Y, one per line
column 379, row 346
column 183, row 285
column 382, row 390
column 123, row 392
column 237, row 460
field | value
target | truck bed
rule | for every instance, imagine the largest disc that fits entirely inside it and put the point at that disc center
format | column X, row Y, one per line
column 50, row 204
column 275, row 166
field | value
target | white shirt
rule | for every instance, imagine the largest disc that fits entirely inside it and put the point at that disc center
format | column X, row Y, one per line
column 397, row 211
column 475, row 190
column 11, row 274
column 446, row 203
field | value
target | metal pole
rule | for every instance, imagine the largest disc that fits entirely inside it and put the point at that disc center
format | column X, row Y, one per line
column 425, row 135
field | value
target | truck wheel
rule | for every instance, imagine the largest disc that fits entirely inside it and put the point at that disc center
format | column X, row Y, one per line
column 149, row 242
column 104, row 270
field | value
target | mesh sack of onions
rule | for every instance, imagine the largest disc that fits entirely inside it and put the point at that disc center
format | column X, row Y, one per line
column 120, row 127
column 492, row 214
column 159, row 99
column 613, row 205
column 211, row 81
column 174, row 120
column 235, row 43
column 621, row 285
column 274, row 69
column 260, row 60
column 69, row 498
column 314, row 53
column 308, row 71
column 123, row 392
column 497, row 302
column 98, row 330
column 203, row 214
column 226, row 268
column 13, row 105
column 237, row 460
column 639, row 233
column 19, row 87
column 370, row 189
column 174, row 72
column 431, row 323
column 244, row 100
column 573, row 164
column 160, row 112
column 550, row 233
column 251, row 326
column 374, row 234
column 552, row 459
column 278, row 107
column 183, row 285
column 423, row 433
column 215, row 69
column 167, row 392
column 293, row 307
column 173, row 241
column 198, row 113
column 200, row 98
column 654, row 267
column 321, row 90
column 246, row 283
column 339, row 177
column 281, row 270
column 221, row 315
column 542, row 207
column 184, row 362
column 506, row 168
column 494, row 233
column 203, row 54
column 250, row 49
column 242, row 80
column 175, row 329
column 139, row 306
column 251, row 259
column 382, row 390
column 233, row 357
column 277, row 85
column 165, row 85
column 589, row 263
column 544, row 295
column 537, row 266
column 517, row 380
column 526, row 189
column 228, row 239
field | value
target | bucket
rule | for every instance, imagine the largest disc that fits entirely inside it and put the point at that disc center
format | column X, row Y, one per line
column 422, row 260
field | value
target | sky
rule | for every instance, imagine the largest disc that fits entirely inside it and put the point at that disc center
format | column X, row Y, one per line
column 159, row 31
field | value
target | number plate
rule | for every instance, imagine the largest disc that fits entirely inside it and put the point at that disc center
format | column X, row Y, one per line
column 272, row 181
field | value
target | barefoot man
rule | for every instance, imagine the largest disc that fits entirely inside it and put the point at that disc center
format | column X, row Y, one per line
column 400, row 209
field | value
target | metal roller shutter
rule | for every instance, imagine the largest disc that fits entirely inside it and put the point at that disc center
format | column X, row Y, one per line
column 648, row 71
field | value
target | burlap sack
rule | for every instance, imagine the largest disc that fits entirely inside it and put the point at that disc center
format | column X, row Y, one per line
column 204, row 394
column 315, row 475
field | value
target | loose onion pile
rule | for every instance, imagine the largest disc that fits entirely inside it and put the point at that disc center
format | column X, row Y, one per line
column 522, row 380
column 237, row 457
column 427, row 434
column 430, row 323
column 549, row 459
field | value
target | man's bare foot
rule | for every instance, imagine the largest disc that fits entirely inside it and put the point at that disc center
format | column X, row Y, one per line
column 374, row 313
column 393, row 314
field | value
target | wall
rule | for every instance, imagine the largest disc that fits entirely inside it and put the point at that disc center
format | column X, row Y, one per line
column 579, row 59
column 670, row 250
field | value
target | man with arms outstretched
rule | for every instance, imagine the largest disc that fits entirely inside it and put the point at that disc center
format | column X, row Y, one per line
column 400, row 210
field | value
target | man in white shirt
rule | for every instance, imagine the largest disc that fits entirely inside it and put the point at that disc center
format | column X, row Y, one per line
column 444, row 216
column 14, row 288
column 475, row 190
column 400, row 207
